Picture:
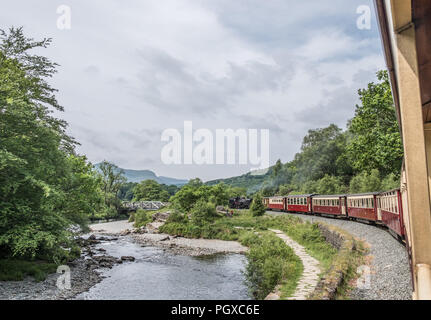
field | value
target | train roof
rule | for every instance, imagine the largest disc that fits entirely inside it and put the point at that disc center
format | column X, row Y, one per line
column 392, row 190
column 299, row 195
column 363, row 194
column 329, row 195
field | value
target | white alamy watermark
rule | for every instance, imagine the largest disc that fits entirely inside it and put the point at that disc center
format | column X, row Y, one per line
column 226, row 146
column 364, row 20
column 63, row 280
column 64, row 21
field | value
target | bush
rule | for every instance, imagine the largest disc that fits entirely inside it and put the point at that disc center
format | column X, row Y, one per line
column 203, row 212
column 142, row 217
column 16, row 270
column 257, row 208
column 366, row 182
column 270, row 262
column 177, row 216
column 132, row 217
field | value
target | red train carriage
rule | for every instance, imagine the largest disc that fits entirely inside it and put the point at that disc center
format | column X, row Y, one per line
column 330, row 204
column 274, row 203
column 390, row 210
column 363, row 206
column 299, row 203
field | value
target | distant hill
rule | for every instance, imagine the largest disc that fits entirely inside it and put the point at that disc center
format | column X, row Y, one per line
column 140, row 175
column 249, row 181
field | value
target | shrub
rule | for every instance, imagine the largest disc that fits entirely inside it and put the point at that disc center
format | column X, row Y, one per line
column 132, row 217
column 270, row 262
column 366, row 182
column 257, row 208
column 142, row 217
column 16, row 270
column 203, row 212
column 177, row 216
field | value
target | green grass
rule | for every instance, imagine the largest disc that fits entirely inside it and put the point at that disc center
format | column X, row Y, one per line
column 270, row 260
column 309, row 236
column 17, row 270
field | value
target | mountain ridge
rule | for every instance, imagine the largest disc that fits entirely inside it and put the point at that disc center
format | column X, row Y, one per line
column 133, row 175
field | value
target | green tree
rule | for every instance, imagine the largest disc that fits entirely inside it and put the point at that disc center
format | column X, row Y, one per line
column 126, row 191
column 330, row 185
column 257, row 208
column 391, row 181
column 81, row 195
column 234, row 192
column 375, row 138
column 44, row 186
column 276, row 168
column 219, row 194
column 150, row 190
column 112, row 180
column 320, row 151
column 203, row 212
column 366, row 182
column 185, row 198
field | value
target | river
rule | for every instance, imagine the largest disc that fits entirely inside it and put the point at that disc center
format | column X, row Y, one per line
column 161, row 275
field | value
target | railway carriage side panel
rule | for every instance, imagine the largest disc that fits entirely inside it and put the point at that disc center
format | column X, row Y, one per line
column 362, row 207
column 389, row 204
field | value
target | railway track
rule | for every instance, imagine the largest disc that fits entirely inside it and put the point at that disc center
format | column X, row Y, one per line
column 388, row 259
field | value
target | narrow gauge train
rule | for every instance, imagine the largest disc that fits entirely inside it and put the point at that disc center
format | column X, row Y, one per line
column 383, row 208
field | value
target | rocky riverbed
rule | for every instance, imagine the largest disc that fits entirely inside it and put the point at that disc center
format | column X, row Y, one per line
column 85, row 272
column 93, row 265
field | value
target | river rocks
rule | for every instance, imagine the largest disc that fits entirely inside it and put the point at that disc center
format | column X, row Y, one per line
column 92, row 237
column 127, row 258
column 153, row 227
column 106, row 261
column 161, row 216
column 165, row 238
column 125, row 232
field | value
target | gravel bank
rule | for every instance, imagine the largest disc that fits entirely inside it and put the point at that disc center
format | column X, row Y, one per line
column 114, row 227
column 177, row 245
column 390, row 271
column 191, row 247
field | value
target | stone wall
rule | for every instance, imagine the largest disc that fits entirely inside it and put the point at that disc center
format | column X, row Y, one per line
column 334, row 278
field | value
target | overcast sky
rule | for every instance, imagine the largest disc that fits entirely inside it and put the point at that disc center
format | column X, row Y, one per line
column 131, row 69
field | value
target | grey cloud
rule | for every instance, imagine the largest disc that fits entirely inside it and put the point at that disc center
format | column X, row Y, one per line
column 93, row 70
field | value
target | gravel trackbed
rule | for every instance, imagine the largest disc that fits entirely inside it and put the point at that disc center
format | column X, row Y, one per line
column 390, row 270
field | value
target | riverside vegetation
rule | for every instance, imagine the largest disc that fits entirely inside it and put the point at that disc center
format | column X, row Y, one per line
column 48, row 192
column 270, row 260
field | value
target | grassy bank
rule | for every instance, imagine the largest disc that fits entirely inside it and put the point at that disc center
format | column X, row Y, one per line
column 12, row 269
column 270, row 260
column 17, row 270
